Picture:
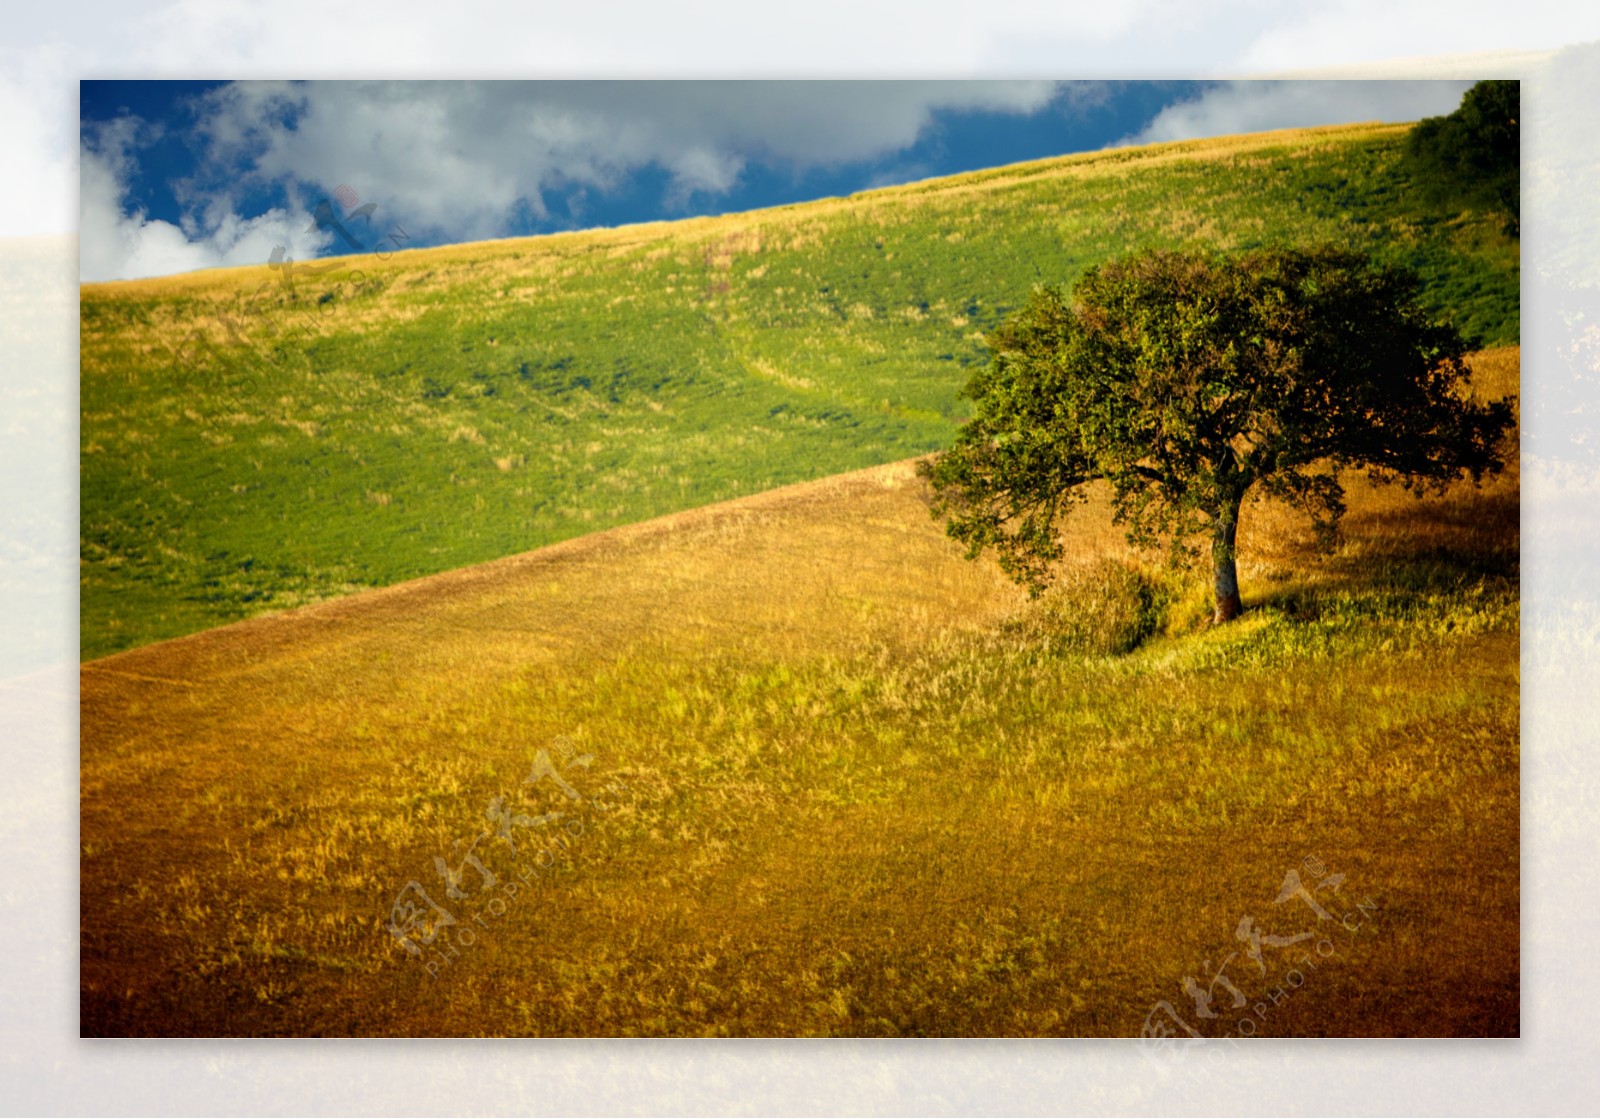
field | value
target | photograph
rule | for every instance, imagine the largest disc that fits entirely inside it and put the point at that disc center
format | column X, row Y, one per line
column 800, row 559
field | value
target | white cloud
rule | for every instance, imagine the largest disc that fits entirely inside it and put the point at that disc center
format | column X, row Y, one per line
column 1341, row 32
column 458, row 160
column 817, row 38
column 1235, row 107
column 114, row 244
column 463, row 165
column 38, row 108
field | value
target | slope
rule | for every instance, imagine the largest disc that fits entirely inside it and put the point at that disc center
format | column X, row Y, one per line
column 250, row 444
column 807, row 771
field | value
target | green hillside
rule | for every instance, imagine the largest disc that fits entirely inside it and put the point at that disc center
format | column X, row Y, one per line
column 247, row 448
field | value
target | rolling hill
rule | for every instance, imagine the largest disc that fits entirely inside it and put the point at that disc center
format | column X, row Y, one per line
column 788, row 764
column 250, row 445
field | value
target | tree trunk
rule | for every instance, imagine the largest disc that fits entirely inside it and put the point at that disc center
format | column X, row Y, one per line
column 1222, row 563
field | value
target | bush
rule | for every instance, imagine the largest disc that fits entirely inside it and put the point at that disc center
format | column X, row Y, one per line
column 1106, row 608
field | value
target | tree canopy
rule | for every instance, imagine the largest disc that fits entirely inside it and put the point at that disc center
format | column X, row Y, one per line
column 1473, row 155
column 1185, row 379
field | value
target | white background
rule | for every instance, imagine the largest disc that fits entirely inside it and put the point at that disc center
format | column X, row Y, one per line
column 46, row 1069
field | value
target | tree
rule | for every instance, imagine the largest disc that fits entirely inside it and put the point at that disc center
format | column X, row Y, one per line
column 1187, row 379
column 1473, row 156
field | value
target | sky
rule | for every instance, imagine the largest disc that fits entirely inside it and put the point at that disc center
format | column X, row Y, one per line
column 180, row 175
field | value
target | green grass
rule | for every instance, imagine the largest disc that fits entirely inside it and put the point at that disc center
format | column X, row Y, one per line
column 453, row 405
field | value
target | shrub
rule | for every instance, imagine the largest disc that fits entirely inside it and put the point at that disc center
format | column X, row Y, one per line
column 1106, row 608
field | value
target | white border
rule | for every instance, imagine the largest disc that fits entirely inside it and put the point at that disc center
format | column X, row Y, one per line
column 44, row 1069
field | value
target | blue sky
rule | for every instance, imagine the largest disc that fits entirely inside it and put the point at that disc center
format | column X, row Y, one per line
column 179, row 175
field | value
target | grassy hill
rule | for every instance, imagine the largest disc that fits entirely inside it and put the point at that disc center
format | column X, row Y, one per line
column 247, row 448
column 831, row 778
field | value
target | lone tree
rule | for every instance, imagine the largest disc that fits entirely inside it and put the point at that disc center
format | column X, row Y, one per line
column 1184, row 379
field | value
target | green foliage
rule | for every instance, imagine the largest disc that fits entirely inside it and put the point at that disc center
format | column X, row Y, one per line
column 1186, row 378
column 1473, row 156
column 456, row 405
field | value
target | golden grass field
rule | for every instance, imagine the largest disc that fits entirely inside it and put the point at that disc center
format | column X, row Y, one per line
column 833, row 779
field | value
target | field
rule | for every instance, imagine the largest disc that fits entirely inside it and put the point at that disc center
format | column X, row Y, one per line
column 249, row 446
column 818, row 774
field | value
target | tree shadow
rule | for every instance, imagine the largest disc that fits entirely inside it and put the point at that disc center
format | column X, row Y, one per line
column 1409, row 551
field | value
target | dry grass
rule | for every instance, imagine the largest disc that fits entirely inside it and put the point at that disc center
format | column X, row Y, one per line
column 837, row 785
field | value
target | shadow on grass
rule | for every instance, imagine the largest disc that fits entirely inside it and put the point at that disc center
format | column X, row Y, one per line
column 1398, row 562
